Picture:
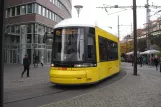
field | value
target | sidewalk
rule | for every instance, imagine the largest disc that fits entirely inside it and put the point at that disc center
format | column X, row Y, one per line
column 143, row 90
column 12, row 76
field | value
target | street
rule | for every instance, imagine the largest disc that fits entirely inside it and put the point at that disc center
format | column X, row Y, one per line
column 37, row 90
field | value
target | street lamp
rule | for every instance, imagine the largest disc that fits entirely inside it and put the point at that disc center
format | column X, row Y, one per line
column 78, row 8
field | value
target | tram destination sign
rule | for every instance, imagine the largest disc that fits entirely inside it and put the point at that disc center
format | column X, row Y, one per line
column 69, row 31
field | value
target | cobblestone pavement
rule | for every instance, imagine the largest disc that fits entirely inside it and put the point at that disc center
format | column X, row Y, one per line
column 143, row 90
column 12, row 76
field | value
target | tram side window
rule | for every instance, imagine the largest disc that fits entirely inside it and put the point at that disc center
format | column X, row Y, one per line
column 91, row 48
column 112, row 50
column 103, row 49
column 57, row 46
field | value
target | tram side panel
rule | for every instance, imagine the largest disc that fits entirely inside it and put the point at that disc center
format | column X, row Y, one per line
column 105, row 68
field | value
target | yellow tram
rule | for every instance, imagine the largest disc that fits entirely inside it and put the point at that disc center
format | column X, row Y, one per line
column 83, row 53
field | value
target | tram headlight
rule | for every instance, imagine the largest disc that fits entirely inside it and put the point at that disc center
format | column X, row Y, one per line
column 85, row 65
column 52, row 65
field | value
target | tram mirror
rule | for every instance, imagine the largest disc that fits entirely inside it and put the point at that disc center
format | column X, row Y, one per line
column 48, row 36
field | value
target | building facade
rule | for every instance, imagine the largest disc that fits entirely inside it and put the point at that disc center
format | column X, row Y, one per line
column 26, row 22
column 154, row 35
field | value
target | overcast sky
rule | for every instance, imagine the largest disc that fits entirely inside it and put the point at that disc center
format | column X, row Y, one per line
column 90, row 11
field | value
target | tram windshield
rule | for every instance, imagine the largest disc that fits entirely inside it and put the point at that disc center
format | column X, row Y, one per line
column 68, row 44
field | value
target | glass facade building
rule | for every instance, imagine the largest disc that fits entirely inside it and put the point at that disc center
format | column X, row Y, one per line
column 26, row 23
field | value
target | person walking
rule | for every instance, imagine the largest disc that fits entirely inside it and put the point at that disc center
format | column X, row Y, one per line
column 156, row 61
column 132, row 60
column 26, row 64
column 42, row 61
column 141, row 60
column 36, row 61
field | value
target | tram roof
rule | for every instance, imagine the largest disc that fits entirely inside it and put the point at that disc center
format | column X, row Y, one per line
column 81, row 22
column 75, row 22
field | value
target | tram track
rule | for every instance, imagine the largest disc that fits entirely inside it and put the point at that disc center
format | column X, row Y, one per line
column 41, row 94
column 36, row 97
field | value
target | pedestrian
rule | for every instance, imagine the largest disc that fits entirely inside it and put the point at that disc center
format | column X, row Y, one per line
column 132, row 60
column 42, row 61
column 36, row 61
column 156, row 61
column 26, row 64
column 141, row 60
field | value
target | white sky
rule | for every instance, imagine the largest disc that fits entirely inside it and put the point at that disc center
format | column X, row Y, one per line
column 90, row 11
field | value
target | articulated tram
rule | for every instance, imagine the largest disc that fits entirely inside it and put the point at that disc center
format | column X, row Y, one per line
column 83, row 53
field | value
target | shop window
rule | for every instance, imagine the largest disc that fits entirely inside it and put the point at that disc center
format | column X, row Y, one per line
column 17, row 39
column 29, row 28
column 29, row 38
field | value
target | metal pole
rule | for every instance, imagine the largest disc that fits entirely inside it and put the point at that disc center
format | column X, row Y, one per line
column 135, row 36
column 78, row 13
column 148, row 24
column 118, row 28
column 1, row 53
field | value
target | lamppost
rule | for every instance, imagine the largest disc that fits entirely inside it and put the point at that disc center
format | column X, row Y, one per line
column 135, row 36
column 78, row 8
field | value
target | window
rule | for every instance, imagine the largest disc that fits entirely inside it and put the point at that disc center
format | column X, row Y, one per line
column 91, row 48
column 13, row 11
column 29, row 8
column 35, row 38
column 29, row 38
column 17, row 29
column 23, row 10
column 35, row 8
column 8, row 12
column 53, row 16
column 103, row 48
column 39, row 9
column 12, row 29
column 49, row 14
column 108, row 49
column 17, row 39
column 56, row 2
column 29, row 28
column 18, row 10
column 53, row 1
column 112, row 50
column 47, row 11
column 43, row 11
